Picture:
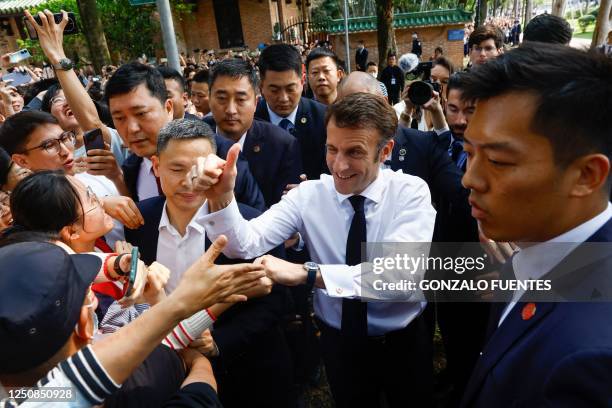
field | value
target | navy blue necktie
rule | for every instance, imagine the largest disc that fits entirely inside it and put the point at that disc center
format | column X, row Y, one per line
column 354, row 311
column 287, row 125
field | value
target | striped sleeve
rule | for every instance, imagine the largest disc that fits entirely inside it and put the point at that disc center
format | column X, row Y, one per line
column 89, row 376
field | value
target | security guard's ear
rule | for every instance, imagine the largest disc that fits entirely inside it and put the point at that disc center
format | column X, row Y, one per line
column 589, row 174
column 386, row 150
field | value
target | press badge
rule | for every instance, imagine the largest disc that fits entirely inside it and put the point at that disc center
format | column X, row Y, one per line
column 392, row 80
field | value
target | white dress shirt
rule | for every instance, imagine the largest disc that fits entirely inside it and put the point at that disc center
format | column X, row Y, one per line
column 178, row 252
column 275, row 119
column 397, row 208
column 146, row 186
column 536, row 261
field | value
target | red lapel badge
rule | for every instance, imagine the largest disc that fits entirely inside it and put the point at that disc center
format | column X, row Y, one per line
column 528, row 311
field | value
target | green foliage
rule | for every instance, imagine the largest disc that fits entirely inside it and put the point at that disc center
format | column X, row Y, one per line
column 585, row 21
column 594, row 12
column 130, row 30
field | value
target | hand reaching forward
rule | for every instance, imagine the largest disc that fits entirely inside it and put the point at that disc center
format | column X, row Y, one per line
column 205, row 283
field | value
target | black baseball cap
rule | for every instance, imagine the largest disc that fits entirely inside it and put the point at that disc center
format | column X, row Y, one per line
column 42, row 290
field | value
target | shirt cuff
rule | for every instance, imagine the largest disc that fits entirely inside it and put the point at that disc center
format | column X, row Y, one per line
column 341, row 281
column 440, row 131
column 221, row 221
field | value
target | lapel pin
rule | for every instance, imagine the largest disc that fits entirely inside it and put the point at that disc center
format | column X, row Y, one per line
column 528, row 311
column 256, row 148
column 303, row 121
column 402, row 152
column 401, row 158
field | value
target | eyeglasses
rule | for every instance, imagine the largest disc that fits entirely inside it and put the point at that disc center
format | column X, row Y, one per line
column 93, row 200
column 52, row 146
column 57, row 100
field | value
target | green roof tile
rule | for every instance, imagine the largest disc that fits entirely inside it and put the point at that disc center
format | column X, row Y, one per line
column 401, row 20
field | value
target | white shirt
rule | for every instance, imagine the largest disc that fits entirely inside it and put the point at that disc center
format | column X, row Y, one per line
column 146, row 186
column 178, row 252
column 103, row 187
column 399, row 109
column 397, row 207
column 275, row 119
column 536, row 261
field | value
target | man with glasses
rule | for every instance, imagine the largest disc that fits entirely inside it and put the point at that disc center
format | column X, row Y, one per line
column 485, row 43
column 35, row 141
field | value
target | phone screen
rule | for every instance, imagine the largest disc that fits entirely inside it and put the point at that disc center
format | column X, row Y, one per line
column 93, row 140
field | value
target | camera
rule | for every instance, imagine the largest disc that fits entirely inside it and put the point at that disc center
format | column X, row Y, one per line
column 71, row 26
column 421, row 92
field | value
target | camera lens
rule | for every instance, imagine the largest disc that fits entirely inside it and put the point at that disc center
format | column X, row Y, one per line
column 420, row 92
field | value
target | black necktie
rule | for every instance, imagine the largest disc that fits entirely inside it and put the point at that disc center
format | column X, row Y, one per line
column 287, row 125
column 354, row 311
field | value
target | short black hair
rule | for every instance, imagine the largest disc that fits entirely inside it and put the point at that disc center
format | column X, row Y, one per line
column 201, row 76
column 391, row 54
column 16, row 130
column 445, row 62
column 45, row 201
column 185, row 129
column 322, row 52
column 169, row 73
column 280, row 58
column 485, row 32
column 371, row 64
column 573, row 90
column 130, row 76
column 455, row 81
column 234, row 68
column 547, row 28
column 50, row 94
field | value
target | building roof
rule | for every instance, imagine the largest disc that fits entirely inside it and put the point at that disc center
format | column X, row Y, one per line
column 17, row 6
column 403, row 20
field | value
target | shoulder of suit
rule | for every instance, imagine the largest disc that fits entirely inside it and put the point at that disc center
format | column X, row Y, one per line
column 151, row 205
column 311, row 105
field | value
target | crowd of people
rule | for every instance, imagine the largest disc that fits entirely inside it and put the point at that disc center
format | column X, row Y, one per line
column 248, row 195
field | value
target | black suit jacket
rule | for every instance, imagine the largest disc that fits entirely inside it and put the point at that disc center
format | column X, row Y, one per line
column 246, row 189
column 274, row 158
column 361, row 59
column 561, row 356
column 241, row 329
column 422, row 154
column 310, row 131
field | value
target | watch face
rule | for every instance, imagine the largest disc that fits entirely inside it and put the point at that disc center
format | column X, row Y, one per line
column 311, row 265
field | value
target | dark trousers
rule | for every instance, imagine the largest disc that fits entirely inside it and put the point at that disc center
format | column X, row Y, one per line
column 396, row 367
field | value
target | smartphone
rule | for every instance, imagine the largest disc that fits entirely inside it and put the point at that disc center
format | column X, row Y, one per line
column 133, row 270
column 17, row 78
column 71, row 27
column 19, row 56
column 94, row 140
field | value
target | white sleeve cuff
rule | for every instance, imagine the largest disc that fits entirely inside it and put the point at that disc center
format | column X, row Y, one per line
column 341, row 281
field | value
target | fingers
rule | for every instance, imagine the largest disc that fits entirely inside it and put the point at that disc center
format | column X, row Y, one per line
column 135, row 211
column 213, row 252
column 31, row 19
column 303, row 177
column 232, row 157
column 123, row 247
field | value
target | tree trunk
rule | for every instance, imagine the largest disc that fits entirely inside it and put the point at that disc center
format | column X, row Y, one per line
column 558, row 8
column 515, row 10
column 603, row 23
column 94, row 33
column 386, row 34
column 483, row 11
column 528, row 12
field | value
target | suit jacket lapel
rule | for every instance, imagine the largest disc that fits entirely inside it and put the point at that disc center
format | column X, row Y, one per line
column 150, row 231
column 510, row 331
column 262, row 110
column 131, row 166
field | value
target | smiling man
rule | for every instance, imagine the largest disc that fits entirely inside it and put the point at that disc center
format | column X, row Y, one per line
column 357, row 203
column 539, row 152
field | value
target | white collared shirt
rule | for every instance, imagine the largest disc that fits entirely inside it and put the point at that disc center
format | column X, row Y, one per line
column 397, row 208
column 178, row 252
column 536, row 261
column 146, row 186
column 275, row 119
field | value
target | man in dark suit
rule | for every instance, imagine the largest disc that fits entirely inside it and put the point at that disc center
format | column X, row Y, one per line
column 361, row 56
column 280, row 69
column 140, row 107
column 530, row 184
column 247, row 347
column 272, row 153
